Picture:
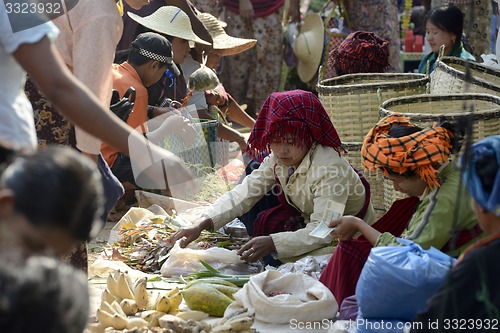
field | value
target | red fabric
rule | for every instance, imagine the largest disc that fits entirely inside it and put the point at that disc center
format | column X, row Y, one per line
column 342, row 272
column 295, row 112
column 462, row 238
column 360, row 52
column 283, row 217
column 261, row 7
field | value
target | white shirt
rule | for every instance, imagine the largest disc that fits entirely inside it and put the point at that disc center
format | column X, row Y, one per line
column 17, row 126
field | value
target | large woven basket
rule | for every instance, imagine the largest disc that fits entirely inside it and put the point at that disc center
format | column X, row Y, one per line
column 425, row 110
column 448, row 77
column 375, row 179
column 353, row 100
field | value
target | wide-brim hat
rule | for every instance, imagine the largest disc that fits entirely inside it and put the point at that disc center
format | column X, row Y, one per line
column 308, row 47
column 226, row 45
column 171, row 21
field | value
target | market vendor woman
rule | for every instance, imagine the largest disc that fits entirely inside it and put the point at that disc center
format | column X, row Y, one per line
column 303, row 157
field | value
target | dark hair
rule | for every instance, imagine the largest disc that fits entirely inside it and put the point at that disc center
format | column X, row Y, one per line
column 397, row 132
column 487, row 169
column 42, row 295
column 450, row 19
column 57, row 187
column 457, row 128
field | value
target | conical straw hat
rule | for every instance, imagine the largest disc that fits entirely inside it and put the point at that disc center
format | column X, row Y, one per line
column 222, row 42
column 308, row 47
column 171, row 21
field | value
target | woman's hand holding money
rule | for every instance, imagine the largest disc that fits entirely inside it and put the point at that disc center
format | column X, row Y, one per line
column 346, row 227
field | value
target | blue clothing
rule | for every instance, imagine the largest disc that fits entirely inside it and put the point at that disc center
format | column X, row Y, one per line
column 457, row 51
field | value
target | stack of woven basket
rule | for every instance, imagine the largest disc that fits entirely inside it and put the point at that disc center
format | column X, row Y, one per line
column 356, row 102
column 353, row 103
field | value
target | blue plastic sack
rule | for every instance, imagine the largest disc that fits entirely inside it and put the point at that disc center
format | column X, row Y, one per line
column 397, row 281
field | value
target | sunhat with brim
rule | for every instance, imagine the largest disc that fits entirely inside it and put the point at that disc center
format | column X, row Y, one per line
column 171, row 21
column 223, row 43
column 308, row 47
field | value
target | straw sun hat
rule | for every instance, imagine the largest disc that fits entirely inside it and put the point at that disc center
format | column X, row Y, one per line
column 171, row 21
column 222, row 42
column 308, row 47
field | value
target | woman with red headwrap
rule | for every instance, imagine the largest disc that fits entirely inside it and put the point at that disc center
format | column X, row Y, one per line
column 418, row 162
column 304, row 160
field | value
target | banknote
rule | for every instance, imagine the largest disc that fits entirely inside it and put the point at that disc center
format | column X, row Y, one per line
column 333, row 211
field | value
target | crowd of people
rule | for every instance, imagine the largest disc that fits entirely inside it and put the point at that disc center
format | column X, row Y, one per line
column 66, row 158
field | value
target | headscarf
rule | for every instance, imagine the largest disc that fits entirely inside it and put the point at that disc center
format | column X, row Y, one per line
column 417, row 152
column 295, row 112
column 489, row 146
column 360, row 52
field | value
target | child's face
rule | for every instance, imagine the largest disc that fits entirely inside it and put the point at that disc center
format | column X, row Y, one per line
column 437, row 37
column 213, row 60
column 287, row 153
column 180, row 48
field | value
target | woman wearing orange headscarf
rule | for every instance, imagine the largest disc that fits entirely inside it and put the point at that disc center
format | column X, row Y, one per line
column 418, row 162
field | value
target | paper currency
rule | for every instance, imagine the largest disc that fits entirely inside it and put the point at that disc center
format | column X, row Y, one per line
column 333, row 211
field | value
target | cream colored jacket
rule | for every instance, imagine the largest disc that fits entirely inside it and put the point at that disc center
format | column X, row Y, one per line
column 89, row 34
column 322, row 176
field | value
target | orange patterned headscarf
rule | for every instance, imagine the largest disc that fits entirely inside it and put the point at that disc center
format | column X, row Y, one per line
column 418, row 152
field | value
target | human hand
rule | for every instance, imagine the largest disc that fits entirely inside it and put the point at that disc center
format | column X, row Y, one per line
column 188, row 234
column 346, row 227
column 246, row 10
column 256, row 248
column 157, row 168
column 214, row 97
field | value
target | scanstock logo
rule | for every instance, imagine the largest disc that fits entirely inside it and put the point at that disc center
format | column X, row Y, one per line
column 25, row 14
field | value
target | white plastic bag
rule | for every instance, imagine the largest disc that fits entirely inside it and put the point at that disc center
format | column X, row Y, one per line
column 187, row 260
column 299, row 297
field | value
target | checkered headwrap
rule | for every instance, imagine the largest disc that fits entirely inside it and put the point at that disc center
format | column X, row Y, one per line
column 295, row 112
column 418, row 152
column 154, row 56
column 360, row 52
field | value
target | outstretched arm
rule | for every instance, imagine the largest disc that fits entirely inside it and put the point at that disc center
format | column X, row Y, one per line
column 69, row 95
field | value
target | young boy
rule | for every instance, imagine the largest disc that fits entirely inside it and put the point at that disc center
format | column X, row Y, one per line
column 150, row 56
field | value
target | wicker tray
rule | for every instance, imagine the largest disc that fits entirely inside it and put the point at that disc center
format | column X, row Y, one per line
column 448, row 77
column 375, row 179
column 353, row 100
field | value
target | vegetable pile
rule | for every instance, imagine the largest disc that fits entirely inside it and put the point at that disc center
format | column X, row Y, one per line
column 145, row 246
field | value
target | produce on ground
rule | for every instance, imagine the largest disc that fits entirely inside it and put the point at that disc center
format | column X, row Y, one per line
column 127, row 306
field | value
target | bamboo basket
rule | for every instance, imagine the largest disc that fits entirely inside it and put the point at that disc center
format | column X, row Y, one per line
column 352, row 101
column 375, row 179
column 425, row 110
column 448, row 77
